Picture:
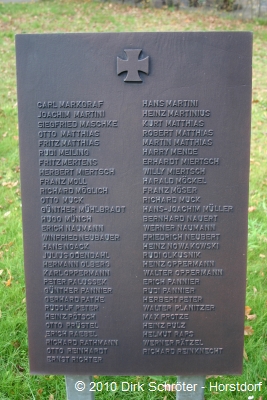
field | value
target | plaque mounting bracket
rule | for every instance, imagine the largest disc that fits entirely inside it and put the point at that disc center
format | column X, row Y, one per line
column 195, row 386
column 78, row 387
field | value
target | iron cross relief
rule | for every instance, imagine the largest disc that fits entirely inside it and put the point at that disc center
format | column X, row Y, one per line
column 132, row 65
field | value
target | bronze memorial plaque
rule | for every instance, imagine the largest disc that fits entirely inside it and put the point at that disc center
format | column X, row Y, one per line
column 134, row 164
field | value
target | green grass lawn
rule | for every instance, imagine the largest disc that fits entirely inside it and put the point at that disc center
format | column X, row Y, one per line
column 85, row 16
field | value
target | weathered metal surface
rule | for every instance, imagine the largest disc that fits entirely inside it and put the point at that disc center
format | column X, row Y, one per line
column 134, row 166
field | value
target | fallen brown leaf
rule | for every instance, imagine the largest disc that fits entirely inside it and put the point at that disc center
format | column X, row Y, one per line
column 247, row 310
column 252, row 208
column 10, row 184
column 6, row 245
column 251, row 317
column 9, row 281
column 248, row 331
column 20, row 368
column 15, row 344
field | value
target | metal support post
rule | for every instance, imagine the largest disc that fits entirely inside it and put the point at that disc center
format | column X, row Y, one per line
column 190, row 387
column 78, row 387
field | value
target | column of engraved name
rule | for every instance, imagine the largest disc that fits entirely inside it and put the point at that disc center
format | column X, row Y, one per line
column 76, row 265
column 179, row 238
